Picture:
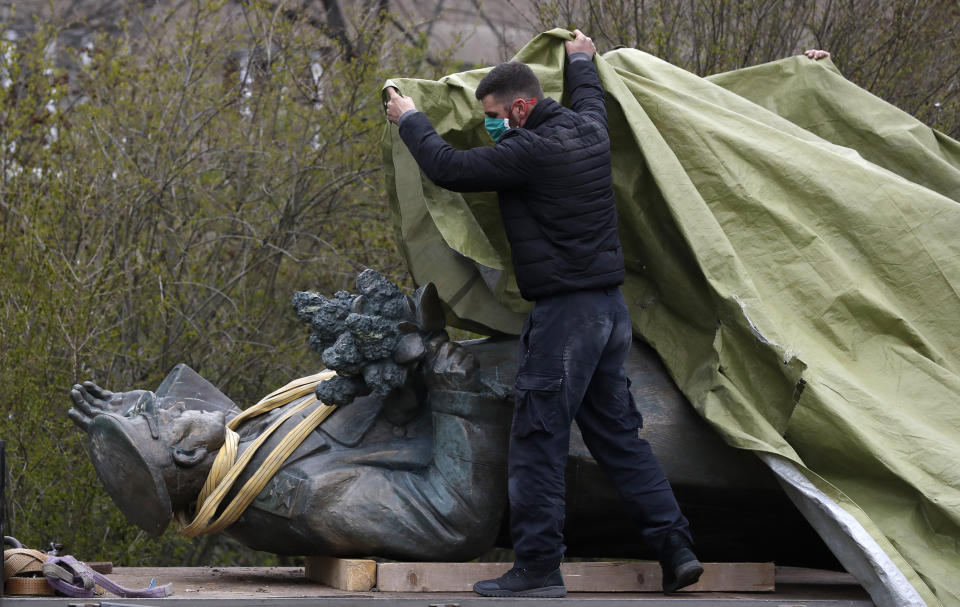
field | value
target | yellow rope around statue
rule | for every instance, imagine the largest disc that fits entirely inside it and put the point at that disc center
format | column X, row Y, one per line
column 227, row 467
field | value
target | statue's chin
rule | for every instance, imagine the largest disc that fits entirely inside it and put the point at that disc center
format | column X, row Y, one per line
column 136, row 487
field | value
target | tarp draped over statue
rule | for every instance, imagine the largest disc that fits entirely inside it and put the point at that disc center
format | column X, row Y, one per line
column 792, row 254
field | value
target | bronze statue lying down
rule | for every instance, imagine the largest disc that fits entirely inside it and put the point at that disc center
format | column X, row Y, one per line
column 412, row 465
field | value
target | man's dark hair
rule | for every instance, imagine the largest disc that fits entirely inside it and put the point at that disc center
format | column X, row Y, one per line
column 510, row 80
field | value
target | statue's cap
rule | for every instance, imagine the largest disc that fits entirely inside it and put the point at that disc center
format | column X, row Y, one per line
column 136, row 487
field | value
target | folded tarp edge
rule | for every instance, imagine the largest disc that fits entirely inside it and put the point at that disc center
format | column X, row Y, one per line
column 854, row 547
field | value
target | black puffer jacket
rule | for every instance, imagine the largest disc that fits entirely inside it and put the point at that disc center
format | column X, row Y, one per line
column 553, row 179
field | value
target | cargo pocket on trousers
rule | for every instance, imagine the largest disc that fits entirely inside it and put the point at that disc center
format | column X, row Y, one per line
column 630, row 417
column 537, row 404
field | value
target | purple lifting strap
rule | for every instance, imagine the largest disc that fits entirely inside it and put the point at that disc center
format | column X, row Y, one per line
column 69, row 576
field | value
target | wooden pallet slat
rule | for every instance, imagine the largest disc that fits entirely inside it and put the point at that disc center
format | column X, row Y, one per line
column 355, row 575
column 579, row 577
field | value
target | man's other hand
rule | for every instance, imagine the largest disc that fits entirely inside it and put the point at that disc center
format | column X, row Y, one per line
column 817, row 54
column 581, row 44
column 398, row 105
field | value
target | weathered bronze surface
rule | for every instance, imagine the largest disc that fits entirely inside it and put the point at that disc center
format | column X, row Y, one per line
column 413, row 465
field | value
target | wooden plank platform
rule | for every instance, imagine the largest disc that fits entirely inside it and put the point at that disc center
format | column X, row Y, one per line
column 634, row 576
column 289, row 587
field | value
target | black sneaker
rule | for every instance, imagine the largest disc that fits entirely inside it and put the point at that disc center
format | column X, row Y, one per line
column 680, row 565
column 524, row 582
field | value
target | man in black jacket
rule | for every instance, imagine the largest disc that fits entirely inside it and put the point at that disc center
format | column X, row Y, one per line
column 552, row 172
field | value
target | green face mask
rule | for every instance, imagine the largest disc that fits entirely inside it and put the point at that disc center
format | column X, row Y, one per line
column 496, row 127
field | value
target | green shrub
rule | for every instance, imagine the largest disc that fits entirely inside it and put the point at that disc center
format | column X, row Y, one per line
column 161, row 204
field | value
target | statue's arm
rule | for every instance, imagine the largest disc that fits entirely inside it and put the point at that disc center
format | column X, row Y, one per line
column 450, row 509
column 462, row 494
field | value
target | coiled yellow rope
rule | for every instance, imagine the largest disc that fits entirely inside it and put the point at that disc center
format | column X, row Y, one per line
column 227, row 467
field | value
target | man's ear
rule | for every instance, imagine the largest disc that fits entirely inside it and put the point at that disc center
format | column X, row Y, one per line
column 187, row 458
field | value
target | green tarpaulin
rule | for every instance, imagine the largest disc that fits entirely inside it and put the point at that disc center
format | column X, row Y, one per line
column 793, row 256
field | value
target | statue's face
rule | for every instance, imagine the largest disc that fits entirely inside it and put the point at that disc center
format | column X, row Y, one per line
column 148, row 461
column 173, row 436
column 191, row 434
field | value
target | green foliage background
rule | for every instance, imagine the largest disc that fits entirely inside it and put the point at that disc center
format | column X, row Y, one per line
column 162, row 204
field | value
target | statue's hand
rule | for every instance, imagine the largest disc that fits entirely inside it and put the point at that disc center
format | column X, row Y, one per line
column 90, row 400
column 450, row 366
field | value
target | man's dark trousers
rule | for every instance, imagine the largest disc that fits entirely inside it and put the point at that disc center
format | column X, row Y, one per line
column 571, row 366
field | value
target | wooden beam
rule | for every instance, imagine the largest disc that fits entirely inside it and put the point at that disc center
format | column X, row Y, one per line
column 814, row 577
column 634, row 576
column 355, row 575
